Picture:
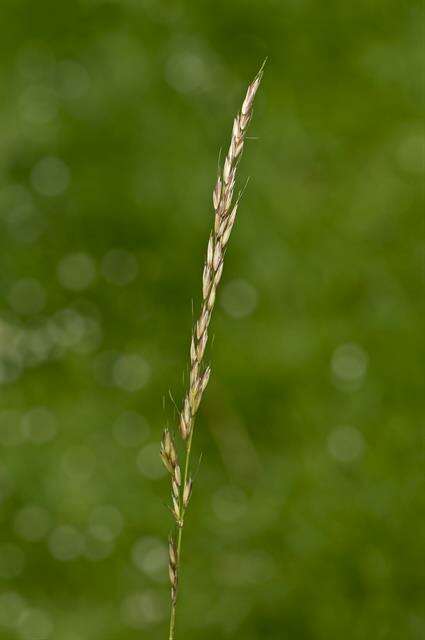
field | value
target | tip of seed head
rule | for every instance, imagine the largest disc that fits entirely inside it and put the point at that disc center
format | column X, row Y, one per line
column 260, row 72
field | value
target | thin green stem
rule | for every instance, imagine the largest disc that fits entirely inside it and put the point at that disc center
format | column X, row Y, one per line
column 172, row 621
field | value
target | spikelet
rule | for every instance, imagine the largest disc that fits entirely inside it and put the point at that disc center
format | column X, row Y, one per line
column 187, row 492
column 172, row 567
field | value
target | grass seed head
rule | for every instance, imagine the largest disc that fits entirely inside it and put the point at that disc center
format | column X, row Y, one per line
column 224, row 217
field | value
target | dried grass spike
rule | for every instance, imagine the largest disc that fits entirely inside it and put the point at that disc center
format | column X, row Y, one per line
column 225, row 210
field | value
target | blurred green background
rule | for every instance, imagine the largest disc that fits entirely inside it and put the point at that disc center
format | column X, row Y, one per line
column 305, row 523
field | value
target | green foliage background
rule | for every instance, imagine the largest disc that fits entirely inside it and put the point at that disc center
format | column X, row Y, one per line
column 305, row 520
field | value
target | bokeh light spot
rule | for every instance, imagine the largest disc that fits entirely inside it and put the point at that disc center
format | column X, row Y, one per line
column 66, row 543
column 12, row 606
column 50, row 177
column 35, row 624
column 68, row 327
column 186, row 72
column 73, row 330
column 131, row 372
column 346, row 444
column 76, row 271
column 38, row 105
column 106, row 523
column 140, row 610
column 79, row 463
column 238, row 298
column 150, row 556
column 349, row 365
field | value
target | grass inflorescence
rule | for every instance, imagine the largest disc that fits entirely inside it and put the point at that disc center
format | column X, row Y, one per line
column 225, row 210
